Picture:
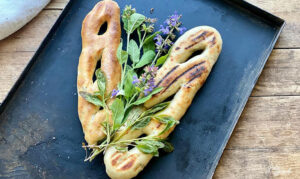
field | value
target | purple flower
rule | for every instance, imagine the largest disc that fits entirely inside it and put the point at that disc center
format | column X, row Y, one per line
column 181, row 30
column 147, row 91
column 173, row 20
column 135, row 80
column 114, row 93
column 164, row 30
column 159, row 40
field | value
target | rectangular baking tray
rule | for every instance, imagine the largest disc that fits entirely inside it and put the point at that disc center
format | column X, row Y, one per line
column 40, row 133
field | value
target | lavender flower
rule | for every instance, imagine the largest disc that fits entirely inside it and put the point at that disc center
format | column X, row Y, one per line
column 181, row 30
column 135, row 80
column 146, row 82
column 114, row 93
column 147, row 91
column 159, row 40
column 164, row 30
column 171, row 25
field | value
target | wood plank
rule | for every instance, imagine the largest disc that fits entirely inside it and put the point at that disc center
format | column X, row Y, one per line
column 265, row 142
column 11, row 66
column 31, row 35
column 281, row 75
column 288, row 10
column 258, row 164
column 269, row 123
column 57, row 4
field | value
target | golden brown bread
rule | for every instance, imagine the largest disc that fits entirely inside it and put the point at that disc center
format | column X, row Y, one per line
column 180, row 75
column 94, row 48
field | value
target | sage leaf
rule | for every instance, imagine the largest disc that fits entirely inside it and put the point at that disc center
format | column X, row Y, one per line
column 146, row 59
column 117, row 109
column 129, row 88
column 149, row 44
column 157, row 108
column 141, row 124
column 161, row 60
column 125, row 23
column 122, row 55
column 101, row 81
column 146, row 98
column 148, row 149
column 133, row 115
column 91, row 98
column 133, row 51
column 122, row 149
column 150, row 38
column 168, row 146
column 134, row 22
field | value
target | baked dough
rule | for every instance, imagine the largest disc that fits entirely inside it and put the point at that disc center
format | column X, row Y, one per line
column 180, row 75
column 94, row 48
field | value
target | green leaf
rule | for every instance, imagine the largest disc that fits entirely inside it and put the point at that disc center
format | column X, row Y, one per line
column 134, row 22
column 165, row 119
column 117, row 109
column 125, row 23
column 146, row 98
column 147, row 148
column 122, row 148
column 168, row 146
column 149, row 44
column 157, row 108
column 146, row 59
column 156, row 143
column 134, row 51
column 133, row 115
column 91, row 98
column 161, row 60
column 128, row 86
column 122, row 55
column 101, row 81
column 150, row 38
column 141, row 124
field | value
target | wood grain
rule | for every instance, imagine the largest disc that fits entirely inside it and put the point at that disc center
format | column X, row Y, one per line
column 281, row 75
column 266, row 140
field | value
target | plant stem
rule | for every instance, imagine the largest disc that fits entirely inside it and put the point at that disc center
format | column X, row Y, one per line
column 162, row 46
column 125, row 64
column 142, row 42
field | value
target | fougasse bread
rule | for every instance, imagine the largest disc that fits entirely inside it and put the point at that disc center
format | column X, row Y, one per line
column 95, row 48
column 181, row 76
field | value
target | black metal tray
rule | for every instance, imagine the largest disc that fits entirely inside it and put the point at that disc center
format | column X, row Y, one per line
column 40, row 134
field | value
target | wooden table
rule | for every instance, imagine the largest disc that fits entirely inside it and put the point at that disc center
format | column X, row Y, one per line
column 266, row 140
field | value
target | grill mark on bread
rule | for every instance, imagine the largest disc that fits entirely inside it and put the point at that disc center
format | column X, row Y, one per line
column 177, row 48
column 130, row 163
column 202, row 36
column 213, row 41
column 179, row 76
column 115, row 160
column 197, row 74
column 173, row 69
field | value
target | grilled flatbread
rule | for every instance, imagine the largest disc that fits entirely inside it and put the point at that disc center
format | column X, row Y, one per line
column 180, row 75
column 94, row 48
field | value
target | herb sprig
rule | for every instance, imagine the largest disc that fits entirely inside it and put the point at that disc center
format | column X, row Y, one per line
column 136, row 87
